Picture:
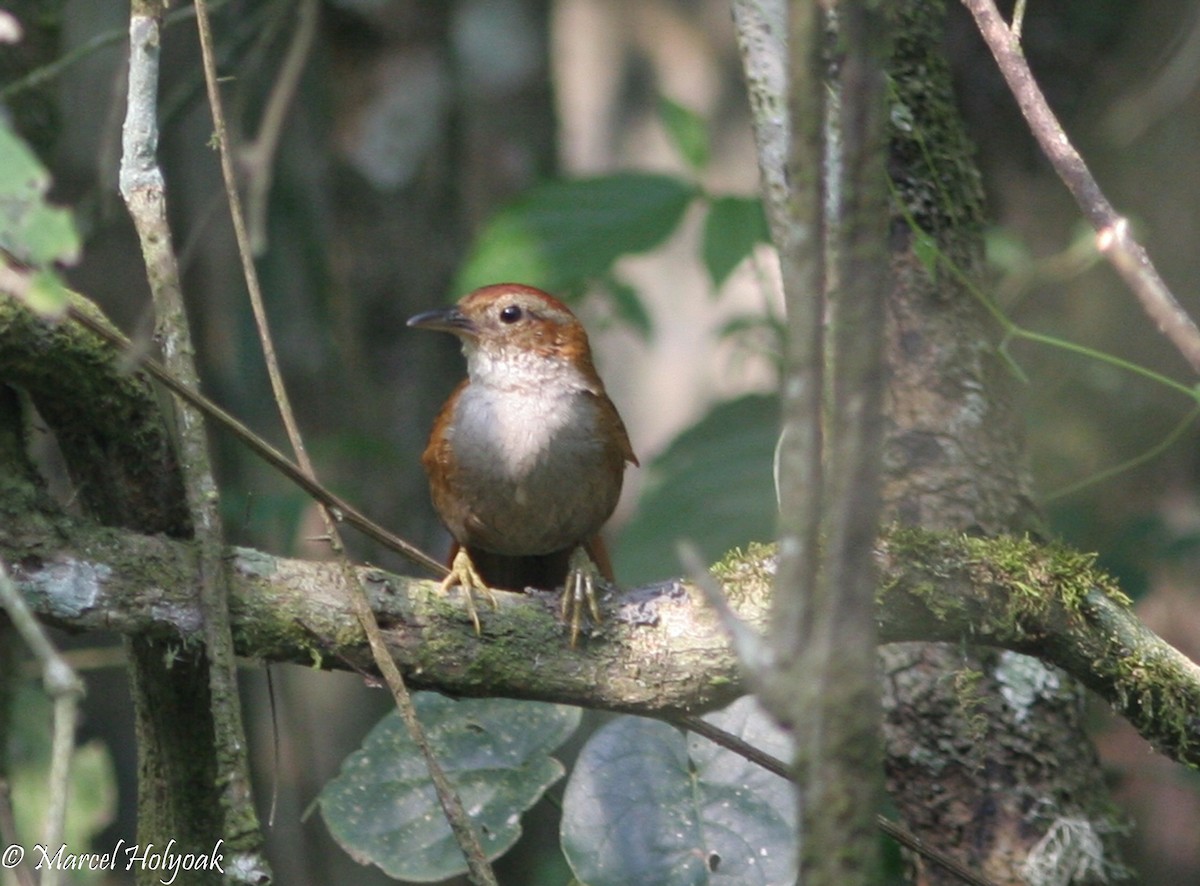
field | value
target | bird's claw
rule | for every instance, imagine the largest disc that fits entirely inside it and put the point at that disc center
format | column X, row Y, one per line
column 580, row 590
column 463, row 574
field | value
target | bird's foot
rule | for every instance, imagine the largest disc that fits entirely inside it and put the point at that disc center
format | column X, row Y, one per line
column 463, row 574
column 583, row 575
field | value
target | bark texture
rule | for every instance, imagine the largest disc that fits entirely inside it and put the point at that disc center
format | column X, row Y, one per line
column 986, row 751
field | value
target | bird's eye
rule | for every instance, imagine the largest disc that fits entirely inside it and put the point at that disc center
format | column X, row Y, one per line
column 510, row 314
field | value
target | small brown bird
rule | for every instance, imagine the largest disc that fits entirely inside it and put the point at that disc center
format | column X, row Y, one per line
column 527, row 457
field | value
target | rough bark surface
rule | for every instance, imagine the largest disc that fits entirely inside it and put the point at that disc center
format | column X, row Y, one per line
column 985, row 751
column 660, row 651
column 109, row 426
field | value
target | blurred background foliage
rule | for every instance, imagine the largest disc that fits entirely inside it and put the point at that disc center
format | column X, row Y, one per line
column 429, row 143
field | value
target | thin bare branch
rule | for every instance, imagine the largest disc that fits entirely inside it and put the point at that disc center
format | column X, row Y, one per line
column 761, row 28
column 258, row 156
column 1127, row 256
column 65, row 689
column 479, row 869
column 8, row 832
column 342, row 510
column 141, row 184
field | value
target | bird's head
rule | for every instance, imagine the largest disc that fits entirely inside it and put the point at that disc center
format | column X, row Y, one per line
column 514, row 335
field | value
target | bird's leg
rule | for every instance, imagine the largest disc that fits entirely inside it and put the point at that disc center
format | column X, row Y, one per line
column 582, row 576
column 463, row 574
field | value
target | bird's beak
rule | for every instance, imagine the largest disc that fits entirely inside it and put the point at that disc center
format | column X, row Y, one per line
column 444, row 320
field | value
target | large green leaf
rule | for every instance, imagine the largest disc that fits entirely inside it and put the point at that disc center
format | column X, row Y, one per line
column 561, row 234
column 30, row 228
column 734, row 226
column 382, row 808
column 712, row 486
column 644, row 804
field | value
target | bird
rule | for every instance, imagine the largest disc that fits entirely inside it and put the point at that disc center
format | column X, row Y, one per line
column 527, row 457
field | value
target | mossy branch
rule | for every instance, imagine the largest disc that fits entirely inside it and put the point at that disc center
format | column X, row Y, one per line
column 660, row 650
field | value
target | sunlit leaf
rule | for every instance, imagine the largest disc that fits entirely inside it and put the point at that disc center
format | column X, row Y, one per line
column 46, row 294
column 30, row 228
column 561, row 235
column 688, row 132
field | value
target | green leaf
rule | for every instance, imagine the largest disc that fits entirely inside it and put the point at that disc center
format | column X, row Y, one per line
column 688, row 132
column 713, row 486
column 644, row 804
column 629, row 306
column 734, row 226
column 382, row 809
column 30, row 228
column 560, row 235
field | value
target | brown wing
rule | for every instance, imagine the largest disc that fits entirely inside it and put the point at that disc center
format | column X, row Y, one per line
column 438, row 460
column 609, row 411
column 437, row 450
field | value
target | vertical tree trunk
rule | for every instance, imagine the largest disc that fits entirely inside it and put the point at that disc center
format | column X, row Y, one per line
column 986, row 751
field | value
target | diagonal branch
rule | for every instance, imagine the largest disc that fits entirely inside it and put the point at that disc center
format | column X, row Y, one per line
column 452, row 806
column 143, row 189
column 1125, row 254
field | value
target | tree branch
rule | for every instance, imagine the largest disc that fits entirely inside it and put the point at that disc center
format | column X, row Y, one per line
column 478, row 868
column 143, row 189
column 661, row 650
column 1113, row 239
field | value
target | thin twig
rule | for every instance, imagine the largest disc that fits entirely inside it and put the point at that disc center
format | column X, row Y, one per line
column 761, row 29
column 1173, row 85
column 1127, row 256
column 1018, row 20
column 93, row 44
column 464, row 831
column 342, row 510
column 142, row 187
column 258, row 156
column 66, row 689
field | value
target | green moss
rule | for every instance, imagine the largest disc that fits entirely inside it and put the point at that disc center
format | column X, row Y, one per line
column 748, row 576
column 941, row 188
column 1006, row 583
column 968, row 683
column 751, row 562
